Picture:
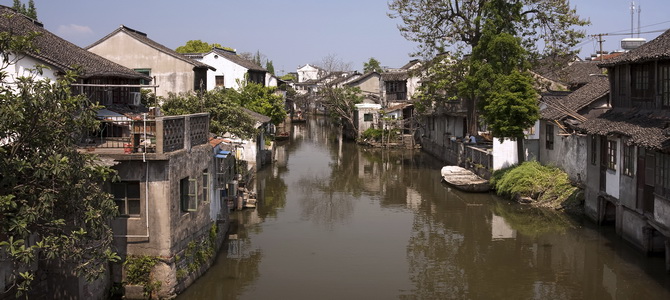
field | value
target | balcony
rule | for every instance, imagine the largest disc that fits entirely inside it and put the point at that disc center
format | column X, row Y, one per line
column 119, row 134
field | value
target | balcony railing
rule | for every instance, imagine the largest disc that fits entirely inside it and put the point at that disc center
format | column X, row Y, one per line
column 123, row 135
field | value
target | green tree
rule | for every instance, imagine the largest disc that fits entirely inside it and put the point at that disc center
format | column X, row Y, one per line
column 31, row 11
column 52, row 204
column 372, row 65
column 270, row 67
column 262, row 100
column 341, row 105
column 498, row 78
column 197, row 46
column 455, row 28
column 226, row 114
column 289, row 77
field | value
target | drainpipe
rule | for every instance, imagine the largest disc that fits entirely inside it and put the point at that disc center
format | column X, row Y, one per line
column 146, row 187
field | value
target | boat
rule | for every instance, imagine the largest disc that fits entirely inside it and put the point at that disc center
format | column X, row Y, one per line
column 464, row 180
column 250, row 201
column 282, row 136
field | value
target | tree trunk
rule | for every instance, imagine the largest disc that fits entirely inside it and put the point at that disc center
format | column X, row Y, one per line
column 521, row 157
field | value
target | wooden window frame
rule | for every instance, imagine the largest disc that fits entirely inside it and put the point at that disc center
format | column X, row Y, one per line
column 627, row 164
column 549, row 137
column 611, row 155
column 368, row 117
column 219, row 81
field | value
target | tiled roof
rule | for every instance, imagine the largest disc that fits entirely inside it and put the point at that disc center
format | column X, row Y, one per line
column 258, row 117
column 596, row 89
column 363, row 77
column 658, row 48
column 410, row 64
column 394, row 76
column 61, row 53
column 575, row 73
column 249, row 65
column 646, row 128
column 142, row 37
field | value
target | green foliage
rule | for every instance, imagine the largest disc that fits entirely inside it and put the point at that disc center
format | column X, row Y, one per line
column 512, row 105
column 548, row 186
column 148, row 98
column 30, row 11
column 198, row 46
column 262, row 100
column 50, row 193
column 372, row 65
column 375, row 134
column 138, row 272
column 456, row 26
column 270, row 67
column 288, row 77
column 226, row 115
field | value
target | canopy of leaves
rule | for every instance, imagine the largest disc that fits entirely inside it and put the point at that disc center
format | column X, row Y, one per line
column 225, row 107
column 340, row 103
column 372, row 65
column 225, row 114
column 456, row 25
column 198, row 46
column 52, row 203
column 512, row 105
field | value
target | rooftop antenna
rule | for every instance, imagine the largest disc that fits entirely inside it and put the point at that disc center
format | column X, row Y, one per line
column 639, row 13
column 632, row 19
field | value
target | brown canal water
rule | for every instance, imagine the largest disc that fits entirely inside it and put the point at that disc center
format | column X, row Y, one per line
column 338, row 221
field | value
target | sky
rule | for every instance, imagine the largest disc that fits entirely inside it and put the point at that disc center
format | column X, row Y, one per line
column 293, row 33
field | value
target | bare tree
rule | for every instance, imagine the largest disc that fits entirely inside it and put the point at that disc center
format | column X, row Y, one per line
column 332, row 63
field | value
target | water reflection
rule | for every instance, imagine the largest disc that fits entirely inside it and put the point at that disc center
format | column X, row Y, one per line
column 337, row 221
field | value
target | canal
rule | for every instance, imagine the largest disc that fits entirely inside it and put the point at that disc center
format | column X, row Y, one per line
column 338, row 221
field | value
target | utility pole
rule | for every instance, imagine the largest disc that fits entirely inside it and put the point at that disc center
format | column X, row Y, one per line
column 600, row 41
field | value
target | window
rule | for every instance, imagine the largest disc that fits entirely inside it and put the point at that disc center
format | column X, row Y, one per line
column 662, row 186
column 641, row 82
column 205, row 186
column 127, row 197
column 218, row 81
column 144, row 71
column 594, row 148
column 188, row 192
column 550, row 137
column 627, row 164
column 367, row 117
column 664, row 84
column 611, row 155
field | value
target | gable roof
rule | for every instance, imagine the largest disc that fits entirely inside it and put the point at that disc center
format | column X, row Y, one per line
column 143, row 38
column 570, row 73
column 249, row 65
column 363, row 77
column 60, row 53
column 560, row 107
column 658, row 48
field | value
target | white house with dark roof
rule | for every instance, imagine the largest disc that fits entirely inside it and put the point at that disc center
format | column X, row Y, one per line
column 309, row 72
column 172, row 71
column 231, row 69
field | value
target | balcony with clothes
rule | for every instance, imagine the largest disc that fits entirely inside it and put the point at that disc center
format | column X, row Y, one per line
column 136, row 132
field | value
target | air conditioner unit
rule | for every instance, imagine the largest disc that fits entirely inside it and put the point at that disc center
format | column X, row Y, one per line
column 135, row 98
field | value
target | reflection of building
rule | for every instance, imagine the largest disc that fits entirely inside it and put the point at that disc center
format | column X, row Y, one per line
column 500, row 229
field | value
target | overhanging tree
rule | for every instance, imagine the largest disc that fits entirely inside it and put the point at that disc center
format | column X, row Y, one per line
column 454, row 28
column 52, row 204
column 341, row 106
column 198, row 46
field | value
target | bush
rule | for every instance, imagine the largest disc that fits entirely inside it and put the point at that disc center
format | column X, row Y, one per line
column 546, row 185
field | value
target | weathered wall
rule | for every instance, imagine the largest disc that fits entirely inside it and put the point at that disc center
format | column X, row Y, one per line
column 662, row 211
column 569, row 153
column 631, row 227
column 172, row 74
column 370, row 85
column 592, row 182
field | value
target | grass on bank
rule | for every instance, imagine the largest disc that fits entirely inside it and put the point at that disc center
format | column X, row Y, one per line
column 546, row 186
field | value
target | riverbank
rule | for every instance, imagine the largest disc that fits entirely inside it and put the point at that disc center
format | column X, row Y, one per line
column 537, row 185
